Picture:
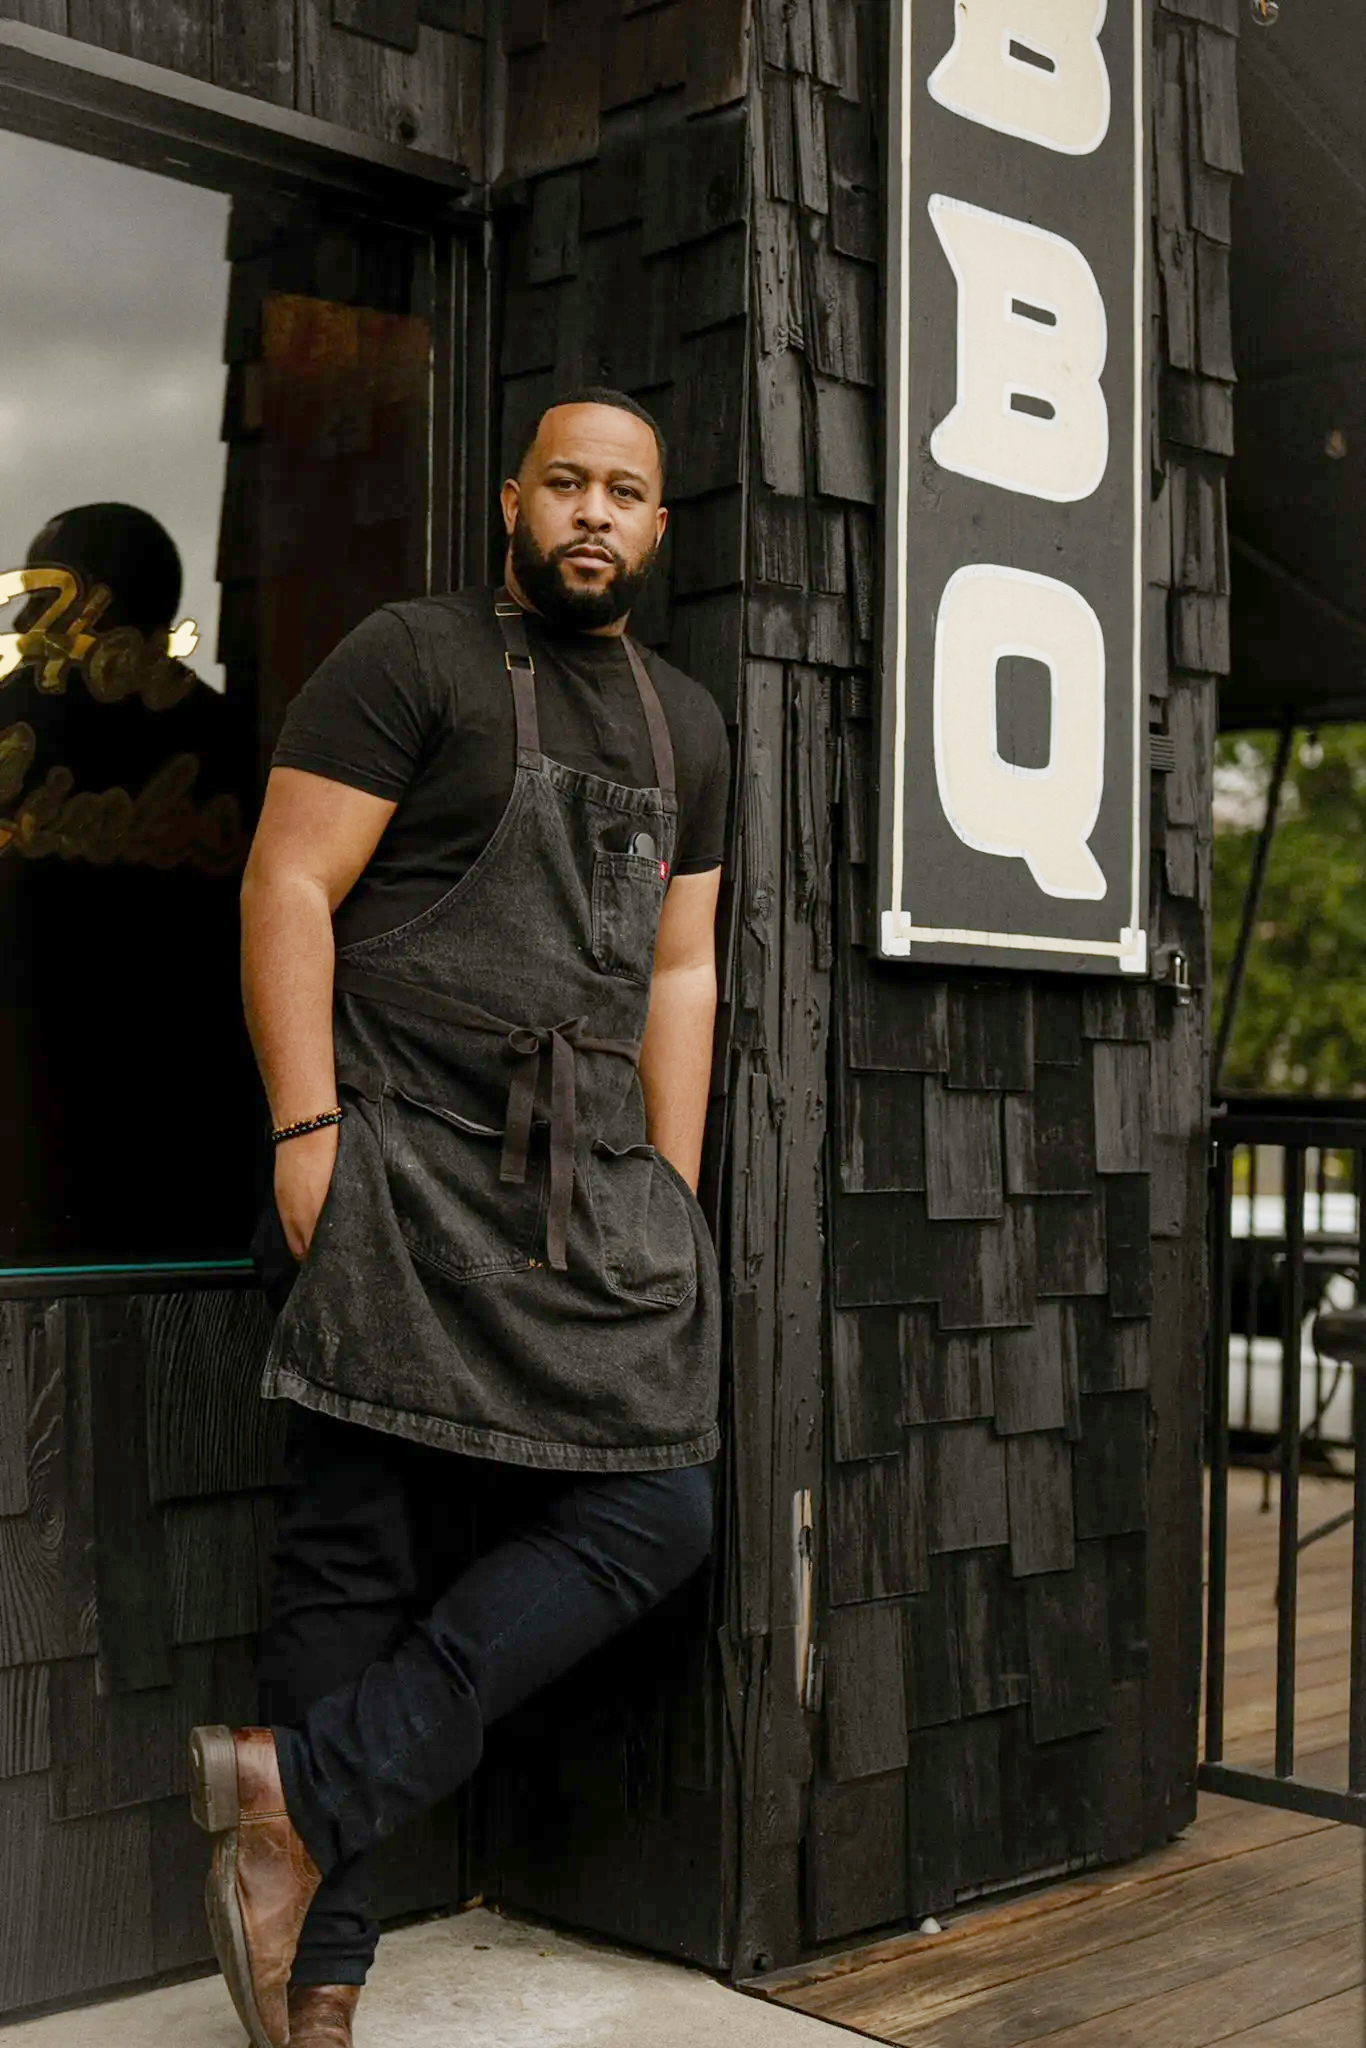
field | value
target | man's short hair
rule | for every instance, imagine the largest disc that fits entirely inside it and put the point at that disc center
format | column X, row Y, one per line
column 596, row 394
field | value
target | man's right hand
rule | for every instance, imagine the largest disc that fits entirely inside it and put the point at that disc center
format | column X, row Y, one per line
column 313, row 840
column 303, row 1174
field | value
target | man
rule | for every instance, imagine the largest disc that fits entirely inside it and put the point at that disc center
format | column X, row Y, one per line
column 466, row 934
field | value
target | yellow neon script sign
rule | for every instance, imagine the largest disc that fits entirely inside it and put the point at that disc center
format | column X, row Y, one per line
column 160, row 827
column 120, row 663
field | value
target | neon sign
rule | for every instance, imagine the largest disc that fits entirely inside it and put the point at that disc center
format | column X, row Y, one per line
column 160, row 826
column 120, row 663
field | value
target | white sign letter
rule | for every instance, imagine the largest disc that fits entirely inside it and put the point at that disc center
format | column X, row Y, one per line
column 1031, row 68
column 1030, row 414
column 1042, row 816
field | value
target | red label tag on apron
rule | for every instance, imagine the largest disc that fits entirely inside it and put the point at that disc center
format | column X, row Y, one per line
column 663, row 869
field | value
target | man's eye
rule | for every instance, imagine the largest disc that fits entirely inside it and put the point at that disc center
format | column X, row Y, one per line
column 625, row 491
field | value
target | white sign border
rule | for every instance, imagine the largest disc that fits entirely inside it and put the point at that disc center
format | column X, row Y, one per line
column 897, row 933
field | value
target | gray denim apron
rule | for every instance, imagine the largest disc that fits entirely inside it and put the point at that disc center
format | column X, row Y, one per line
column 504, row 1265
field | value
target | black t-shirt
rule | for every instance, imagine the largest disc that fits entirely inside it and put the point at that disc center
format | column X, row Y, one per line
column 415, row 705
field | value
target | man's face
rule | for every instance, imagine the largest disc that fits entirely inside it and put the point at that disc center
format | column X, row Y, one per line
column 584, row 517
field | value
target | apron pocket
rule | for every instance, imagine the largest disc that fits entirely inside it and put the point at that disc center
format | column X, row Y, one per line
column 628, row 893
column 646, row 1232
column 452, row 1210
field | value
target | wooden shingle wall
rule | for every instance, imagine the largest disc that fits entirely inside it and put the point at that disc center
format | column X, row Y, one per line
column 960, row 1215
column 1196, row 157
column 1007, row 1519
column 135, row 1456
column 630, row 269
column 406, row 71
column 136, row 1515
column 611, row 1804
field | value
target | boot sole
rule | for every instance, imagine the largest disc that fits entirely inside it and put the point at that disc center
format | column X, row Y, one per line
column 214, row 1807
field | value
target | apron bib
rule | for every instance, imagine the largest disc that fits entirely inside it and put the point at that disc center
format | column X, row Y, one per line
column 504, row 1265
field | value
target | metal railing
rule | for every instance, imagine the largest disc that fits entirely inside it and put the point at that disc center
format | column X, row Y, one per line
column 1278, row 1277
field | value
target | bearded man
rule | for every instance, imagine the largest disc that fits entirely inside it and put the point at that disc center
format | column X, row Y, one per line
column 479, row 973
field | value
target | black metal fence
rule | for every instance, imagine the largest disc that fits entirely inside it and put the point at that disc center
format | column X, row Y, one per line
column 1288, row 1224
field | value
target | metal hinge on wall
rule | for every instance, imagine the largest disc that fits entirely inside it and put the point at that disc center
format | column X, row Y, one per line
column 1171, row 969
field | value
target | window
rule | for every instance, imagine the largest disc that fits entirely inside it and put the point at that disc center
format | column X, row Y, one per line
column 214, row 438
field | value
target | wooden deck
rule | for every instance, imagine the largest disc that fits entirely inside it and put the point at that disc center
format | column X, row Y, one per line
column 1247, row 1931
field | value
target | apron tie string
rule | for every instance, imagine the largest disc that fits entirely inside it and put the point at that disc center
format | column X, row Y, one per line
column 527, row 1046
column 526, row 1043
column 562, row 1128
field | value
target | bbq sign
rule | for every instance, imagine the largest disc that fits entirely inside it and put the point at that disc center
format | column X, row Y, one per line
column 1011, row 795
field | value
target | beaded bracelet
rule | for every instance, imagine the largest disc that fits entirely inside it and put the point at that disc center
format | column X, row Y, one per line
column 311, row 1123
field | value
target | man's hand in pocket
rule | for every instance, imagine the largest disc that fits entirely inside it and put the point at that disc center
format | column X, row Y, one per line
column 303, row 1174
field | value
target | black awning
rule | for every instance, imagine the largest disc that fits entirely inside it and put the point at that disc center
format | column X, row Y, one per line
column 1298, row 485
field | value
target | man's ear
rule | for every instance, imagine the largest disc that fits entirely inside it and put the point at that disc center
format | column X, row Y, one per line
column 661, row 521
column 510, row 497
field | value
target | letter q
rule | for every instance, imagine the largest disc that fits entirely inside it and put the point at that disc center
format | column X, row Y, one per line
column 1042, row 816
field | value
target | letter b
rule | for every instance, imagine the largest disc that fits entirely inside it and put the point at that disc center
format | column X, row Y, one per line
column 1031, row 68
column 1030, row 414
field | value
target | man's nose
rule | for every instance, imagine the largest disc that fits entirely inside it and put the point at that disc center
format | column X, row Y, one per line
column 594, row 513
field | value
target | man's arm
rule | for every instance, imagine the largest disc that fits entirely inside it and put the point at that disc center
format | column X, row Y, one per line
column 313, row 840
column 675, row 1050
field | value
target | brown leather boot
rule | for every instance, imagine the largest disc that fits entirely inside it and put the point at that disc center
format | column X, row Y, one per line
column 262, row 1879
column 320, row 2015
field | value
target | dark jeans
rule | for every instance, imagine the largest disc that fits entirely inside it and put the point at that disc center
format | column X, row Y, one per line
column 418, row 1595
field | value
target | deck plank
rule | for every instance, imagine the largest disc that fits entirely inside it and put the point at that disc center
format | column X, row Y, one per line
column 1272, row 1986
column 1331, row 2023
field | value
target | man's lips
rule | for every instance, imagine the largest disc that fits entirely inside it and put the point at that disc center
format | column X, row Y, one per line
column 598, row 555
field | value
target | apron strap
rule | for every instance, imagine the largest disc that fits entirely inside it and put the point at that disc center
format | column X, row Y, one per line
column 660, row 743
column 517, row 655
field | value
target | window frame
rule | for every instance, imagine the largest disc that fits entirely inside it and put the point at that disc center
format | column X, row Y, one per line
column 78, row 97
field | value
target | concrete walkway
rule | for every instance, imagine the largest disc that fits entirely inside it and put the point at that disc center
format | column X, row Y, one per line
column 476, row 1981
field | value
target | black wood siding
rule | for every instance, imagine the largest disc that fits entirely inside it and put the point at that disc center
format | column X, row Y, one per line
column 951, row 1209
column 617, row 1803
column 425, row 91
column 1014, row 1192
column 132, row 1575
column 137, row 1461
column 959, row 1215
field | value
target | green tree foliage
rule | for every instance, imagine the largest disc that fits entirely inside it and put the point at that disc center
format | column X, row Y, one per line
column 1301, row 1025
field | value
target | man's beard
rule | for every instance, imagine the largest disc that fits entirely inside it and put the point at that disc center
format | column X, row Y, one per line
column 541, row 579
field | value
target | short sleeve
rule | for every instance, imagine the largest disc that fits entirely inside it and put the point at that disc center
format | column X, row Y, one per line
column 702, row 823
column 366, row 714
